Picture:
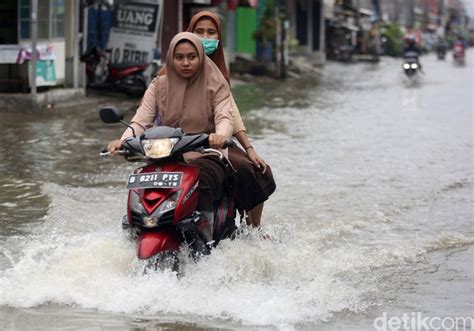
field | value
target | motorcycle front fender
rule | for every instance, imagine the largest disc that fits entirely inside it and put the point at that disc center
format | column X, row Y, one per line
column 151, row 243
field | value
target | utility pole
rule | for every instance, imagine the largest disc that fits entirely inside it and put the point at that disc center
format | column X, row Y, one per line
column 230, row 36
column 278, row 39
column 180, row 15
column 285, row 48
column 410, row 20
column 75, row 67
column 440, row 12
column 396, row 11
column 377, row 9
column 357, row 13
column 34, row 52
column 282, row 35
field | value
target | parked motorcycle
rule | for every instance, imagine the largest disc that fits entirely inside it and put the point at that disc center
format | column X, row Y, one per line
column 342, row 53
column 410, row 64
column 162, row 198
column 128, row 78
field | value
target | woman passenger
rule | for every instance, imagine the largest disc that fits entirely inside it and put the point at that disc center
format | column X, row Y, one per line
column 254, row 181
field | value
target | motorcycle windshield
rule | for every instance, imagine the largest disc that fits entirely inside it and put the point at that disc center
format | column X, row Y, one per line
column 160, row 132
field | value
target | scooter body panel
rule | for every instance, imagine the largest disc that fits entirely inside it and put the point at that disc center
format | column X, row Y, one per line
column 188, row 197
column 152, row 243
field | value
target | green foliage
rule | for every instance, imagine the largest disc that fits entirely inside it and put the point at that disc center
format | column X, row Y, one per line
column 267, row 27
column 394, row 35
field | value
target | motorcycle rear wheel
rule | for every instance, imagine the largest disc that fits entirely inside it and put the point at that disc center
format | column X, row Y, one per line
column 134, row 86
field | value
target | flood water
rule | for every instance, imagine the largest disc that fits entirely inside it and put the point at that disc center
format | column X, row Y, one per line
column 373, row 213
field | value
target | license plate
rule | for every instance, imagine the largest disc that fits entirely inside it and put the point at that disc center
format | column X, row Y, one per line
column 155, row 180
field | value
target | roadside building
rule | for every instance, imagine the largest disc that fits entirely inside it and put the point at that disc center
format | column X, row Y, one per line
column 56, row 26
column 63, row 30
column 253, row 29
column 342, row 30
column 307, row 26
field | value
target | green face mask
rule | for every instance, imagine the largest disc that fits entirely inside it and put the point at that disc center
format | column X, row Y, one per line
column 210, row 45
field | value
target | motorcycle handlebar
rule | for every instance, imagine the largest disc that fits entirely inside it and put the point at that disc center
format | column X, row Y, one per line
column 125, row 152
column 105, row 152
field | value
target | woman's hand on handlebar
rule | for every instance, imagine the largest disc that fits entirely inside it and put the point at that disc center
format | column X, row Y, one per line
column 114, row 146
column 216, row 141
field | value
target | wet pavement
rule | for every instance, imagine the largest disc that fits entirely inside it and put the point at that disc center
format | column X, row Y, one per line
column 373, row 212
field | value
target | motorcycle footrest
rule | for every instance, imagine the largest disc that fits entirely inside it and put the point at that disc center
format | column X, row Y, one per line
column 187, row 224
column 125, row 224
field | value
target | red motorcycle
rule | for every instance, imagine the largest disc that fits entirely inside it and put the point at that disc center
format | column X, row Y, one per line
column 128, row 78
column 161, row 210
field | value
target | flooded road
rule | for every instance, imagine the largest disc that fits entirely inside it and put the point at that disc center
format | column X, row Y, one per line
column 373, row 214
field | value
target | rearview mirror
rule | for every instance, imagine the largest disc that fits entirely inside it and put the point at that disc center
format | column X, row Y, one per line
column 110, row 115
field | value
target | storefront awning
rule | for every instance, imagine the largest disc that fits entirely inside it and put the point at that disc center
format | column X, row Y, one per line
column 9, row 53
column 366, row 12
column 233, row 4
column 198, row 2
column 350, row 26
column 337, row 24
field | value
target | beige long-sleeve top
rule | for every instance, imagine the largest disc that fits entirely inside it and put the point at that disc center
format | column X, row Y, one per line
column 221, row 115
column 236, row 118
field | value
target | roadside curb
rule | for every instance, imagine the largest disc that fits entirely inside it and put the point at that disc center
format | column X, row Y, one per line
column 41, row 101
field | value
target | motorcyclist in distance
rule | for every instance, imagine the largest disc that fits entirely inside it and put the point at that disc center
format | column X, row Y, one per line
column 412, row 47
column 460, row 43
column 441, row 47
column 459, row 50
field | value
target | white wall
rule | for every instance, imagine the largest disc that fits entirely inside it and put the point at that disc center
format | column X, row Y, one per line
column 60, row 61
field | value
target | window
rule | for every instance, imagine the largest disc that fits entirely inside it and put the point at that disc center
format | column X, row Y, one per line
column 24, row 19
column 43, row 19
column 50, row 19
column 57, row 18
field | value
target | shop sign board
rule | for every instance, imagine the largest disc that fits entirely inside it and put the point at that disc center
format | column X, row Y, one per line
column 134, row 31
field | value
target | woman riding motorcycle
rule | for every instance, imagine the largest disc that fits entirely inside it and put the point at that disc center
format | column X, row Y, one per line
column 195, row 97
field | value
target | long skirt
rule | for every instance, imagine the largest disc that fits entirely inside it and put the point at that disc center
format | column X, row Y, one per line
column 250, row 186
column 212, row 173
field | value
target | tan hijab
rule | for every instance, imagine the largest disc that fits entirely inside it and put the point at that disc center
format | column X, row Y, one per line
column 189, row 103
column 218, row 56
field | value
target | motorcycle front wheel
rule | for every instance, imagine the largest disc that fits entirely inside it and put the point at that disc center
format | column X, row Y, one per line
column 167, row 260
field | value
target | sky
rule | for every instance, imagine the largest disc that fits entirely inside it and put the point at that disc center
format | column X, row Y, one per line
column 469, row 7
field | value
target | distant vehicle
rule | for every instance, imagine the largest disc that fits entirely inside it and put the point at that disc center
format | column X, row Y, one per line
column 459, row 53
column 411, row 65
column 341, row 53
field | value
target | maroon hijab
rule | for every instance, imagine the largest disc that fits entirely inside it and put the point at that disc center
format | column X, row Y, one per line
column 218, row 56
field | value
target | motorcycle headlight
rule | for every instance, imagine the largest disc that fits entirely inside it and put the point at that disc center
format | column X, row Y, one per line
column 414, row 66
column 150, row 222
column 158, row 148
column 406, row 66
